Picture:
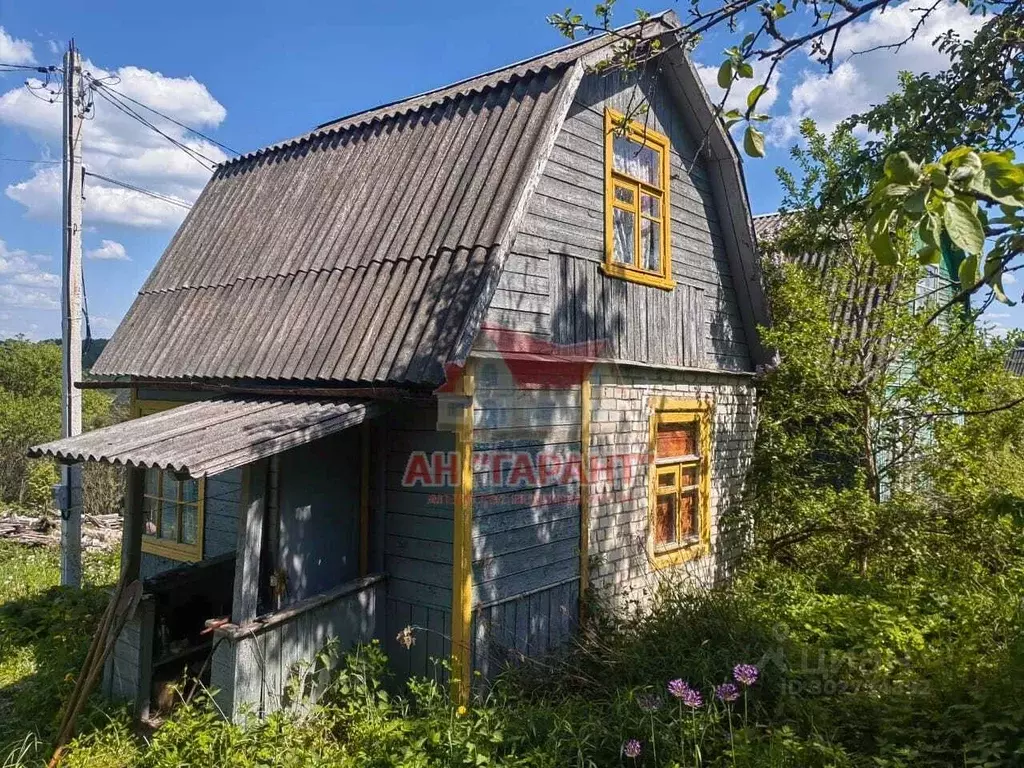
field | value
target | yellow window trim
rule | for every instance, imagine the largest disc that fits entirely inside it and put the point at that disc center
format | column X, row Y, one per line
column 187, row 553
column 612, row 179
column 668, row 410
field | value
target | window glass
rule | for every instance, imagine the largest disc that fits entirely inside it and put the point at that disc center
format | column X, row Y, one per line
column 650, row 206
column 169, row 520
column 677, row 439
column 650, row 245
column 624, row 195
column 689, row 526
column 189, row 523
column 665, row 519
column 625, row 235
column 642, row 162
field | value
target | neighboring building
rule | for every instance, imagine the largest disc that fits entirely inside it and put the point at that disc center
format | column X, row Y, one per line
column 375, row 362
column 1015, row 362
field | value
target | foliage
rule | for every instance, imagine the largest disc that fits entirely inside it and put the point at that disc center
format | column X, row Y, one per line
column 44, row 633
column 30, row 378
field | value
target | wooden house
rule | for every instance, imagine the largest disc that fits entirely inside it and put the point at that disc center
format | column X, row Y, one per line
column 450, row 364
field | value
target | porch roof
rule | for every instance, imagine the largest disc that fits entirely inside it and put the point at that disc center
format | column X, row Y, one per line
column 212, row 436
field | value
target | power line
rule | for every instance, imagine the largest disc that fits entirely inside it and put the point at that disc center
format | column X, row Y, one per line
column 133, row 188
column 199, row 157
column 109, row 95
column 26, row 67
column 26, row 160
column 165, row 117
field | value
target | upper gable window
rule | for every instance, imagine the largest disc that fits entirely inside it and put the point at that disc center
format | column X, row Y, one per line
column 636, row 209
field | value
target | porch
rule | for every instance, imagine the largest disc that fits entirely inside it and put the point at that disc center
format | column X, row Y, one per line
column 248, row 521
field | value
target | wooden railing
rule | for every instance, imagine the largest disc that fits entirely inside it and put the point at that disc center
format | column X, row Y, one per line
column 253, row 662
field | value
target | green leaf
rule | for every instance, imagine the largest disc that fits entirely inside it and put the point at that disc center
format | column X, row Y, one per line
column 937, row 176
column 725, row 74
column 901, row 169
column 879, row 239
column 753, row 142
column 951, row 157
column 929, row 255
column 755, row 94
column 968, row 272
column 916, row 201
column 994, row 277
column 779, row 10
column 963, row 226
column 930, row 230
column 745, row 70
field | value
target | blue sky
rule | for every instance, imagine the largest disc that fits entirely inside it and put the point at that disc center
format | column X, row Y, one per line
column 252, row 73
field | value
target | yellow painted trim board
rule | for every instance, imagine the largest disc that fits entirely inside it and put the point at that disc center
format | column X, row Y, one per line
column 640, row 134
column 462, row 555
column 188, row 553
column 585, row 415
column 666, row 409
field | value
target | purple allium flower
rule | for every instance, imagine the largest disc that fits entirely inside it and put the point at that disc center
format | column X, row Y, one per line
column 649, row 702
column 631, row 749
column 745, row 674
column 692, row 698
column 727, row 692
column 678, row 687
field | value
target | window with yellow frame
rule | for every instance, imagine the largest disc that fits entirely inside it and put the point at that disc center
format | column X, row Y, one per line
column 679, row 511
column 172, row 506
column 636, row 208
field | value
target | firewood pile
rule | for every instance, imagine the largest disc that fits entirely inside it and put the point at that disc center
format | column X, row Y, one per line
column 98, row 531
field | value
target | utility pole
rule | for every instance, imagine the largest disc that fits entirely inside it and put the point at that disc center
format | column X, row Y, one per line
column 70, row 491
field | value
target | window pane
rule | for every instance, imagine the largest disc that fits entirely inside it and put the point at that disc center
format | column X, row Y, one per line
column 149, row 509
column 169, row 520
column 650, row 245
column 637, row 160
column 689, row 525
column 687, row 475
column 677, row 440
column 667, row 480
column 190, row 491
column 665, row 520
column 624, row 226
column 152, row 482
column 625, row 195
column 650, row 205
column 189, row 523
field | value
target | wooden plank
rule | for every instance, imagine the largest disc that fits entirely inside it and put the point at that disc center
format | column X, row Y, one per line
column 250, row 541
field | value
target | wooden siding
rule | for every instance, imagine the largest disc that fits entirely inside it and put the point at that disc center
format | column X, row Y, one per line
column 418, row 542
column 220, row 522
column 254, row 664
column 526, row 529
column 318, row 507
column 129, row 666
column 551, row 288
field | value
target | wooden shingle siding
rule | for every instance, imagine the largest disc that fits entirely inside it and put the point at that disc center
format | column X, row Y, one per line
column 696, row 325
column 525, row 534
column 418, row 542
column 220, row 522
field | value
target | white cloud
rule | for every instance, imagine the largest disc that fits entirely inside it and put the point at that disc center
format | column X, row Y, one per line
column 17, row 298
column 14, row 51
column 864, row 77
column 118, row 146
column 109, row 250
column 1009, row 279
column 738, row 94
column 20, row 268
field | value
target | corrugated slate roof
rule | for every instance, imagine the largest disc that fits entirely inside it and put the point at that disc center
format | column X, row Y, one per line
column 853, row 304
column 352, row 253
column 351, row 256
column 1015, row 362
column 211, row 436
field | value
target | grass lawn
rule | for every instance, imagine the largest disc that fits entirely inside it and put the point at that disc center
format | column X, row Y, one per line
column 44, row 633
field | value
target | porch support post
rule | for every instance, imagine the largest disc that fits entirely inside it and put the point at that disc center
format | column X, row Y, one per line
column 462, row 555
column 245, row 603
column 131, row 537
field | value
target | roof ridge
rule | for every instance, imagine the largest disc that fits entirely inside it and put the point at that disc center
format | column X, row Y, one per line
column 416, row 102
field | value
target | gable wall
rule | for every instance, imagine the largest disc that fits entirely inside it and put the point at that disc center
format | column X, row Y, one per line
column 551, row 287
